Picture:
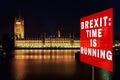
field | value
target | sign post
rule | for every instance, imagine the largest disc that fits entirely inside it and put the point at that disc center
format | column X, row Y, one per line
column 93, row 74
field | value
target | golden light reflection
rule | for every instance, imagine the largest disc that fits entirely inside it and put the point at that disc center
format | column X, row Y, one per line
column 51, row 55
column 45, row 57
column 20, row 68
column 25, row 58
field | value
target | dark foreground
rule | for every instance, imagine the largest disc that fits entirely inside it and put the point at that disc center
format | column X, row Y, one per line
column 52, row 65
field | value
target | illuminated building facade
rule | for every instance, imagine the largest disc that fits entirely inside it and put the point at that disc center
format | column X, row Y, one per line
column 42, row 41
column 48, row 43
column 19, row 28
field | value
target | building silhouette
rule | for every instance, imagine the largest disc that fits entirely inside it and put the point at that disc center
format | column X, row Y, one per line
column 42, row 41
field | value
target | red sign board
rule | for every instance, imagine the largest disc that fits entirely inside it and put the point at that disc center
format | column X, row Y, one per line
column 96, row 39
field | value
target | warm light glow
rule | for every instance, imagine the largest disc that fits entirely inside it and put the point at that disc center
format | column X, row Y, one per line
column 49, row 43
column 18, row 22
column 19, row 28
column 46, row 55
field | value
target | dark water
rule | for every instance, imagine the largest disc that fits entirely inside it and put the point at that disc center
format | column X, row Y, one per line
column 51, row 65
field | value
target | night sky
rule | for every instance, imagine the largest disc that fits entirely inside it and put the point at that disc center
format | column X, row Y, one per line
column 45, row 15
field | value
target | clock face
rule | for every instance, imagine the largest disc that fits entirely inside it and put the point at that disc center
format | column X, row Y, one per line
column 18, row 22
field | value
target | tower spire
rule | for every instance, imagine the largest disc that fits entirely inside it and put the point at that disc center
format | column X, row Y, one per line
column 19, row 27
column 58, row 31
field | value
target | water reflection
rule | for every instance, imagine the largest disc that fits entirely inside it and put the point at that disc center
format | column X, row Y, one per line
column 48, row 65
column 45, row 64
column 19, row 68
column 61, row 55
